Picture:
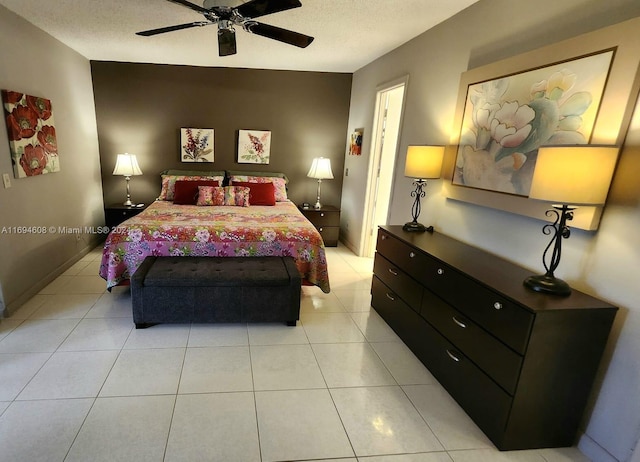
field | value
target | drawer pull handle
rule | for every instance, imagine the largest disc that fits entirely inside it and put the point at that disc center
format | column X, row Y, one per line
column 453, row 356
column 320, row 229
column 412, row 254
column 390, row 297
column 322, row 214
column 440, row 271
column 383, row 237
column 458, row 322
column 392, row 271
column 497, row 305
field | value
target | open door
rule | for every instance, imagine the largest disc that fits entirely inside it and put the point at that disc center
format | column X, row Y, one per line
column 385, row 137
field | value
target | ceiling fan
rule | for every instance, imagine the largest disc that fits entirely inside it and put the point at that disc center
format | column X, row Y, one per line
column 226, row 17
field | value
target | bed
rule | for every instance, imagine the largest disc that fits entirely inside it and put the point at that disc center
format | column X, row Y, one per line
column 169, row 229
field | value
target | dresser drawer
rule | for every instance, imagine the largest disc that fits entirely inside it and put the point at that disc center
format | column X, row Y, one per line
column 403, row 320
column 329, row 235
column 398, row 281
column 404, row 256
column 323, row 218
column 492, row 356
column 116, row 214
column 485, row 402
column 502, row 318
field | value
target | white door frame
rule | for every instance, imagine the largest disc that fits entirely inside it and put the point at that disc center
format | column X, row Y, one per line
column 368, row 234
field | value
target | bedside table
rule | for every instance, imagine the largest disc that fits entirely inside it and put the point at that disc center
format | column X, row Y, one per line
column 327, row 222
column 115, row 214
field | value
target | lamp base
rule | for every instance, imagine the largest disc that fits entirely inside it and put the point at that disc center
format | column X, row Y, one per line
column 547, row 284
column 414, row 226
column 128, row 203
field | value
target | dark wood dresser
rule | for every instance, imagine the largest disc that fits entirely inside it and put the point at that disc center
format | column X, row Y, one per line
column 520, row 363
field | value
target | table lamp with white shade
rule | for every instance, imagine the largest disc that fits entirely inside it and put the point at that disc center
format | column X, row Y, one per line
column 127, row 166
column 320, row 170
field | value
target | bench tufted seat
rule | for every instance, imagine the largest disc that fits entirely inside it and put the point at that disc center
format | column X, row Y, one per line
column 215, row 289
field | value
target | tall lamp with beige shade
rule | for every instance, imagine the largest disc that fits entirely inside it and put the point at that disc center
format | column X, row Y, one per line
column 568, row 176
column 423, row 162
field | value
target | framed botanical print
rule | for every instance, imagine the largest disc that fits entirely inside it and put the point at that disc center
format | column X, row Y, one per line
column 254, row 146
column 196, row 145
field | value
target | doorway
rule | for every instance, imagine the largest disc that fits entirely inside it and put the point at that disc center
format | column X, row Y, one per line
column 384, row 141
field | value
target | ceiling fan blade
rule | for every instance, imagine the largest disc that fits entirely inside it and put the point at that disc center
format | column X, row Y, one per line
column 193, row 6
column 257, row 8
column 226, row 42
column 162, row 30
column 277, row 33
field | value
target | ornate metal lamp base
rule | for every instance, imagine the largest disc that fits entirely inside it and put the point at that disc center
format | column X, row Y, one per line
column 548, row 285
column 415, row 210
column 414, row 226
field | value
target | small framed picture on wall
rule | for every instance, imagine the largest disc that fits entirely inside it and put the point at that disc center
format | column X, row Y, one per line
column 254, row 146
column 355, row 143
column 196, row 144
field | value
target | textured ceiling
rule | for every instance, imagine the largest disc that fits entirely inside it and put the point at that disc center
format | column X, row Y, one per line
column 348, row 33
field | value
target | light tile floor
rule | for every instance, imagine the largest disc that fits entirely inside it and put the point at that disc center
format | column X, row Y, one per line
column 79, row 383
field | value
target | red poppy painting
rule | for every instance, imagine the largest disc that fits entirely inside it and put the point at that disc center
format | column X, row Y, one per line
column 32, row 134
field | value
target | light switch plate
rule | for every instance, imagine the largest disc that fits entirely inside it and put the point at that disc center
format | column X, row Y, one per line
column 6, row 180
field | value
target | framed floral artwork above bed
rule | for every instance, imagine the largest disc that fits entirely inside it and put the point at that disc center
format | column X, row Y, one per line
column 254, row 146
column 508, row 118
column 32, row 134
column 196, row 145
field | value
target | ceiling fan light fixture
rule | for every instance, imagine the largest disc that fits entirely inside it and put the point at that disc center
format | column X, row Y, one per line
column 226, row 14
column 226, row 41
column 225, row 24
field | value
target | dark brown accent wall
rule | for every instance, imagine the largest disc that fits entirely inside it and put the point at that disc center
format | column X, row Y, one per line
column 140, row 109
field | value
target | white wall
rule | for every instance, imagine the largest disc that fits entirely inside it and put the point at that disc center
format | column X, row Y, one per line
column 34, row 63
column 605, row 264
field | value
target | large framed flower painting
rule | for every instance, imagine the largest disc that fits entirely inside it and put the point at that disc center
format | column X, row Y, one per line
column 32, row 134
column 507, row 119
column 582, row 90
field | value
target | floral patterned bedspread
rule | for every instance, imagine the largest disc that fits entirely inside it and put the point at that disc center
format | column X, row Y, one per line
column 165, row 229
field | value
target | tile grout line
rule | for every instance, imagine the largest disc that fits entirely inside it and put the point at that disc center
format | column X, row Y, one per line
column 175, row 397
column 253, row 393
column 398, row 383
column 95, row 400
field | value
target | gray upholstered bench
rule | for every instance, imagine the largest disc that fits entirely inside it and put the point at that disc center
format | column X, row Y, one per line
column 215, row 289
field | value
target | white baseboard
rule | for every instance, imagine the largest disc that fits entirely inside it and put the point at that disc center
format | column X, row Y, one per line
column 38, row 286
column 594, row 451
column 349, row 245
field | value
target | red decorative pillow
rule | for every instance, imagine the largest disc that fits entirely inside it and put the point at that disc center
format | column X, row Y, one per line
column 259, row 193
column 186, row 192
